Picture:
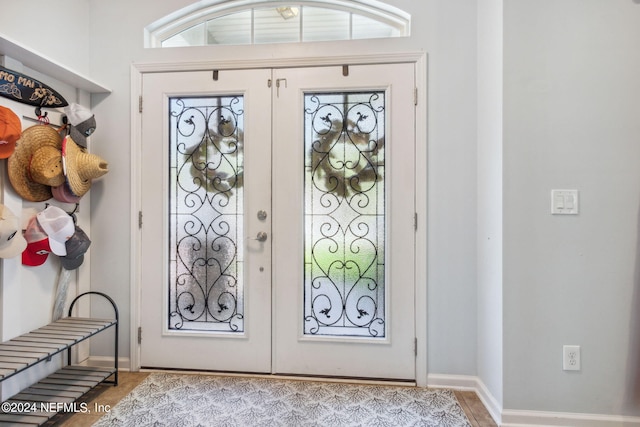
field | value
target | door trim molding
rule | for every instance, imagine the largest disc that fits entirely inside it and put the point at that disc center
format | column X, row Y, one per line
column 419, row 59
column 388, row 58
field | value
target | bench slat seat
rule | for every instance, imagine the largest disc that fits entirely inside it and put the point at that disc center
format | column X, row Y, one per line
column 43, row 343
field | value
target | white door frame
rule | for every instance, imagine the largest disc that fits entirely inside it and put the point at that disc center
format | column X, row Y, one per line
column 417, row 58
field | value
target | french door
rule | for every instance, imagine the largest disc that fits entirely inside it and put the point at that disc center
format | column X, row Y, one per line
column 278, row 221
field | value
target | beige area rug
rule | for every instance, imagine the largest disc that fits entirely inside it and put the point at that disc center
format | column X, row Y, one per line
column 174, row 400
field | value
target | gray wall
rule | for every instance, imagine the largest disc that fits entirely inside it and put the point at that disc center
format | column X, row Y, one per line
column 571, row 104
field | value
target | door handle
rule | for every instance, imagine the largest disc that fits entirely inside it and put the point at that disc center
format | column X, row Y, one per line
column 261, row 236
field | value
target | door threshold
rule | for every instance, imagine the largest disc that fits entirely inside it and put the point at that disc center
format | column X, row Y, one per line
column 291, row 377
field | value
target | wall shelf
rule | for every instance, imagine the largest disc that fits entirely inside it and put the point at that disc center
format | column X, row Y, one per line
column 37, row 61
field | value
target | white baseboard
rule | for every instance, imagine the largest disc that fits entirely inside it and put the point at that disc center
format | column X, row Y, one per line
column 124, row 363
column 514, row 418
column 519, row 418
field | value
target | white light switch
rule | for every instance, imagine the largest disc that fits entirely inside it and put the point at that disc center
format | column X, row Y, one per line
column 564, row 202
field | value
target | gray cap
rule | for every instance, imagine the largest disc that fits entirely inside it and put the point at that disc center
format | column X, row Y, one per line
column 81, row 131
column 77, row 245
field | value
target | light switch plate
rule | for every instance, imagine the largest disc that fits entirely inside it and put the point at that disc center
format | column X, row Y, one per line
column 564, row 202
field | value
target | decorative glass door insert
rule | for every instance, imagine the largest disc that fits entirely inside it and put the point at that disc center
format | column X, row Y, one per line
column 206, row 214
column 344, row 216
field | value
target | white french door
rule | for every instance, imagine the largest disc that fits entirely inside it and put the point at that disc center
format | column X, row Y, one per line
column 278, row 221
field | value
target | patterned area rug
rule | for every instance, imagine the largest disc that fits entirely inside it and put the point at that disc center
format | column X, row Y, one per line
column 201, row 400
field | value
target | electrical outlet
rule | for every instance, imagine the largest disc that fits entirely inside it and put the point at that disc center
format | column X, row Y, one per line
column 571, row 358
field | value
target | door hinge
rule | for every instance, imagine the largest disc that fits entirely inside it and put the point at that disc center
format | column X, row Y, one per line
column 139, row 334
column 415, row 221
column 269, row 83
column 139, row 219
column 140, row 104
column 415, row 346
column 415, row 96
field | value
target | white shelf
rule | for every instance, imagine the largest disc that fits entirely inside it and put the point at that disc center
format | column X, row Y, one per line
column 40, row 62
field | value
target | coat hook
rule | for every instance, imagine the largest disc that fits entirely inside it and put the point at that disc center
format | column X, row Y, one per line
column 39, row 112
column 42, row 117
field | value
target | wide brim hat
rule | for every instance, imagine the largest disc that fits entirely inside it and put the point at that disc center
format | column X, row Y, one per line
column 45, row 166
column 80, row 166
column 19, row 163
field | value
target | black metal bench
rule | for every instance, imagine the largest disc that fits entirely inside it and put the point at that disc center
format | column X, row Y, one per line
column 57, row 392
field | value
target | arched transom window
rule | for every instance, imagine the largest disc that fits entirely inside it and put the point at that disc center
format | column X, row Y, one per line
column 239, row 22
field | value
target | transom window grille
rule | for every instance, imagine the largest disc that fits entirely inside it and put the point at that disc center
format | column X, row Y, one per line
column 237, row 22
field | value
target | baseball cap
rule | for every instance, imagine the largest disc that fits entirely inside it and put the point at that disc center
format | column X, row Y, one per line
column 82, row 123
column 77, row 245
column 10, row 130
column 64, row 194
column 38, row 249
column 12, row 241
column 59, row 228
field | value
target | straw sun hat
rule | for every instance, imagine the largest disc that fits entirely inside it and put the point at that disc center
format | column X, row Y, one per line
column 44, row 162
column 32, row 169
column 80, row 167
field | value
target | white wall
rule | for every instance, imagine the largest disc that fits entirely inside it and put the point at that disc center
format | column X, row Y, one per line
column 57, row 29
column 571, row 105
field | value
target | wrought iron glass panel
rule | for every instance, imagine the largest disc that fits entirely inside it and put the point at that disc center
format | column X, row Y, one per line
column 206, row 214
column 344, row 214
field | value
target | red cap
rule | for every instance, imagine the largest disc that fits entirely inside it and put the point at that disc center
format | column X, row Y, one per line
column 38, row 248
column 10, row 130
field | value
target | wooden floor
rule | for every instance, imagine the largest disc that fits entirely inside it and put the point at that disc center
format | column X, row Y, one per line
column 475, row 410
column 102, row 398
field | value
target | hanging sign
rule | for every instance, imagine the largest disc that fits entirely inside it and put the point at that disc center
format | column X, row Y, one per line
column 24, row 89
